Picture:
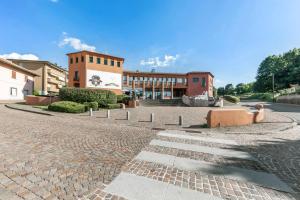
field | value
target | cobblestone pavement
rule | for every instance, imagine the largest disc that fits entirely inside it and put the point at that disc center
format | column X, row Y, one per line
column 58, row 157
column 277, row 153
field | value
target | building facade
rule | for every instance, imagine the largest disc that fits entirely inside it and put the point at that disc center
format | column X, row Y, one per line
column 15, row 81
column 100, row 71
column 168, row 85
column 51, row 77
column 95, row 70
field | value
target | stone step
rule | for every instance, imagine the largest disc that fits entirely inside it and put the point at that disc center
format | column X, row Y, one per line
column 198, row 148
column 260, row 178
column 198, row 138
column 133, row 187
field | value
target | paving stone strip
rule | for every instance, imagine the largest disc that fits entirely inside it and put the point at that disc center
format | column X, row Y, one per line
column 217, row 186
column 219, row 160
column 204, row 149
column 136, row 187
column 260, row 178
column 181, row 135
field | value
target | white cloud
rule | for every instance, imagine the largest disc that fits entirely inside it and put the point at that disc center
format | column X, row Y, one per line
column 75, row 43
column 157, row 62
column 15, row 55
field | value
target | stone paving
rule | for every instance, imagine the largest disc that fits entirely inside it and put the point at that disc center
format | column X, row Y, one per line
column 58, row 157
column 75, row 156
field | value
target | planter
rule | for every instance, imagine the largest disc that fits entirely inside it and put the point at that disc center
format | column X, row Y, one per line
column 40, row 100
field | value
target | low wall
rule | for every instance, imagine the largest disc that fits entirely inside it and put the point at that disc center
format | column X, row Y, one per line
column 291, row 99
column 40, row 100
column 233, row 117
column 195, row 101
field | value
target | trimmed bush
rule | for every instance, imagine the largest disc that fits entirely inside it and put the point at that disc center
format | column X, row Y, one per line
column 67, row 106
column 123, row 98
column 93, row 105
column 81, row 95
column 232, row 99
column 262, row 96
column 113, row 106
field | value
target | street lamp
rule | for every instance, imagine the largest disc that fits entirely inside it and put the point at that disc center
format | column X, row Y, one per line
column 273, row 86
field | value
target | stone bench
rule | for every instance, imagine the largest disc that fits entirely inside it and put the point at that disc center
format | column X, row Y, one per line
column 234, row 117
column 40, row 100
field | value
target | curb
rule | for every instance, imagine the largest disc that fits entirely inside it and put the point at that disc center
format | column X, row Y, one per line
column 30, row 111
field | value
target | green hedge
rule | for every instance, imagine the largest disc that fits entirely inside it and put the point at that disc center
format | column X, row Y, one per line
column 262, row 96
column 232, row 99
column 67, row 106
column 93, row 105
column 113, row 106
column 81, row 95
column 123, row 98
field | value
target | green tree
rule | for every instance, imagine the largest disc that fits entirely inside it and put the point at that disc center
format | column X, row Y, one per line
column 221, row 91
column 229, row 89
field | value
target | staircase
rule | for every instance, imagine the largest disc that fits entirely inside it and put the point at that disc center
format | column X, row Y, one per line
column 161, row 102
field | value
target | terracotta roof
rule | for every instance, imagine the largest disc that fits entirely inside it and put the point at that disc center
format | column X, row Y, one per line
column 40, row 61
column 17, row 66
column 100, row 54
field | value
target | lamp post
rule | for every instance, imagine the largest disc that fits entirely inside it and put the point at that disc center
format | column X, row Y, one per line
column 273, row 86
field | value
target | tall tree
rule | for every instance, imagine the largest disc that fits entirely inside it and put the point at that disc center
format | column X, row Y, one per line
column 221, row 91
column 229, row 89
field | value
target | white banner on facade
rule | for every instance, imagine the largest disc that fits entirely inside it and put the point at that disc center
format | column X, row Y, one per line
column 106, row 80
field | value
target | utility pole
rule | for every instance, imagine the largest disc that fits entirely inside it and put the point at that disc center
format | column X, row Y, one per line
column 273, row 86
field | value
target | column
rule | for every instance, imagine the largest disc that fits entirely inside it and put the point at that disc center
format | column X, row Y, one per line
column 144, row 90
column 153, row 90
column 172, row 92
column 162, row 90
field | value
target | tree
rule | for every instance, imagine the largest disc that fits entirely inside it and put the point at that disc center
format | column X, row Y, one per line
column 243, row 88
column 221, row 91
column 229, row 89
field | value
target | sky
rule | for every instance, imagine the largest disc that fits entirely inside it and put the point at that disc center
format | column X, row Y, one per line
column 228, row 38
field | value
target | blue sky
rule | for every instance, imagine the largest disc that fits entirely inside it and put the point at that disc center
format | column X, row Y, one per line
column 226, row 37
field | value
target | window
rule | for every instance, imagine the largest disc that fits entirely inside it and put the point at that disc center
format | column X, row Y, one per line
column 76, row 59
column 71, row 60
column 124, row 78
column 195, row 80
column 130, row 78
column 13, row 91
column 119, row 64
column 203, row 83
column 141, row 78
column 105, row 61
column 179, row 80
column 145, row 78
column 150, row 79
column 160, row 79
column 112, row 63
column 98, row 60
column 91, row 59
column 82, row 58
column 13, row 74
column 76, row 76
column 164, row 80
column 173, row 80
column 169, row 79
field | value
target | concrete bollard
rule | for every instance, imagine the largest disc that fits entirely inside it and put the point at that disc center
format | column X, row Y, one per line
column 108, row 114
column 127, row 115
column 180, row 120
column 91, row 112
column 152, row 117
column 221, row 103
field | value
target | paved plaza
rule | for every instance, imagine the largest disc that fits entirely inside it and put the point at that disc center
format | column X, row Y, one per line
column 69, row 156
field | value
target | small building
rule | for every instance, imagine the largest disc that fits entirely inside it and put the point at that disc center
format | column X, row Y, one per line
column 51, row 77
column 100, row 71
column 15, row 81
column 152, row 85
column 95, row 70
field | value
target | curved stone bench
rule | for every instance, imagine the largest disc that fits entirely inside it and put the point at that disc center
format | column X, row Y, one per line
column 234, row 117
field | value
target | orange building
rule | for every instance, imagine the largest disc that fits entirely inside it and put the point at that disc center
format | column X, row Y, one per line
column 100, row 71
column 95, row 70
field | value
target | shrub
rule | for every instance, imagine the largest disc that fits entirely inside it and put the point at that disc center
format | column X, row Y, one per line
column 81, row 95
column 67, row 106
column 232, row 99
column 123, row 98
column 93, row 105
column 262, row 96
column 113, row 106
